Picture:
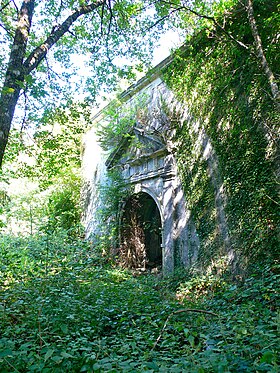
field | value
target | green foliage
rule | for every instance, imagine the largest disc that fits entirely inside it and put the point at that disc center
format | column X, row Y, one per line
column 111, row 195
column 42, row 178
column 56, row 146
column 26, row 209
column 225, row 91
column 119, row 120
column 62, row 310
column 24, row 206
column 103, row 36
column 63, row 209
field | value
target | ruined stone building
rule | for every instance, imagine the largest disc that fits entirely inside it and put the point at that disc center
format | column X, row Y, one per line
column 147, row 164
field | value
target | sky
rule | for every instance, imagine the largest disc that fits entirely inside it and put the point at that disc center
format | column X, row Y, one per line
column 171, row 39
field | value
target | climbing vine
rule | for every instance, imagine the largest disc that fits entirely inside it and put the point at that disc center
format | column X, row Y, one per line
column 231, row 113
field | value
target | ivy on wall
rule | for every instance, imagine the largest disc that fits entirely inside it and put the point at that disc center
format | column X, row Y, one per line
column 227, row 146
column 226, row 94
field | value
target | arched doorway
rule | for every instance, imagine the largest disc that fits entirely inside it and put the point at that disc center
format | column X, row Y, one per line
column 141, row 238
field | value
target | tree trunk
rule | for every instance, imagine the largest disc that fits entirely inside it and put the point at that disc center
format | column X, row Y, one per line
column 15, row 74
column 40, row 52
column 260, row 54
column 18, row 68
column 8, row 103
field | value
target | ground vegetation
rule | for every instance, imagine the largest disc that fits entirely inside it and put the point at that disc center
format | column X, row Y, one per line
column 65, row 309
column 64, row 303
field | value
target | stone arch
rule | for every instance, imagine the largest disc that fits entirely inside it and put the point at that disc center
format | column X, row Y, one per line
column 153, row 193
column 141, row 232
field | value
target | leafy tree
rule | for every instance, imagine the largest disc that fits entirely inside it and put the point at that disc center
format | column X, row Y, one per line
column 56, row 144
column 48, row 32
column 63, row 210
column 43, row 185
column 64, row 28
column 210, row 13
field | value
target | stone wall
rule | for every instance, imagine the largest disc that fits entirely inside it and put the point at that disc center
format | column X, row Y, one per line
column 150, row 167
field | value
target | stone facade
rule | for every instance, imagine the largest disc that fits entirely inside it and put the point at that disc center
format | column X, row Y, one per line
column 150, row 169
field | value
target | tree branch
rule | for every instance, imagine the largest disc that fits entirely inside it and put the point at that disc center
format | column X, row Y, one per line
column 49, row 69
column 212, row 19
column 5, row 6
column 261, row 56
column 7, row 31
column 15, row 6
column 180, row 311
column 36, row 56
column 23, row 122
column 199, row 15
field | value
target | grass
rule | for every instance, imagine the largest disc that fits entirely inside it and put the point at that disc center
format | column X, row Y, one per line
column 64, row 309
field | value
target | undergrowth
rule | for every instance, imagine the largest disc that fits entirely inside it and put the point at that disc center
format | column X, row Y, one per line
column 63, row 309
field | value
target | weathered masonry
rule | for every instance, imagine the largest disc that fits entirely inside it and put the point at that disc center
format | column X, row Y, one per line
column 150, row 169
column 156, row 204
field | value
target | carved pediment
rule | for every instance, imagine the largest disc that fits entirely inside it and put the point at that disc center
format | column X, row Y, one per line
column 136, row 147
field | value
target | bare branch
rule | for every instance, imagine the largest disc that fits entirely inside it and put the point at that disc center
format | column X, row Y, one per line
column 16, row 6
column 199, row 15
column 180, row 311
column 23, row 123
column 102, row 17
column 162, row 19
column 111, row 17
column 59, row 76
column 59, row 10
column 272, row 200
column 72, row 33
column 7, row 31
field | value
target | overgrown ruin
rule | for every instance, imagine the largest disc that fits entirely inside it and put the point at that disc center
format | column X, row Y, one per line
column 155, row 226
column 174, row 210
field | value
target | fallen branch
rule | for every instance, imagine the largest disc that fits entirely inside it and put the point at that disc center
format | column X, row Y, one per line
column 180, row 311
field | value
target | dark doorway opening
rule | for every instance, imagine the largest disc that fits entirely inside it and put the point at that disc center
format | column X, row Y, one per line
column 141, row 236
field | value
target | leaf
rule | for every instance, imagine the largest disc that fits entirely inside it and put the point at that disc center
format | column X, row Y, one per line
column 191, row 340
column 5, row 353
column 152, row 365
column 29, row 79
column 48, row 354
column 85, row 368
column 66, row 355
column 20, row 84
column 7, row 90
column 186, row 331
column 268, row 357
column 64, row 328
column 57, row 359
